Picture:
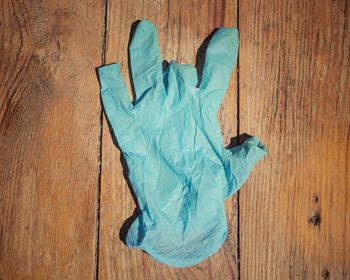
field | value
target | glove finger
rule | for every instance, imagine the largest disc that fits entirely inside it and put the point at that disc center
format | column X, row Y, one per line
column 115, row 98
column 242, row 159
column 145, row 58
column 180, row 81
column 186, row 73
column 220, row 58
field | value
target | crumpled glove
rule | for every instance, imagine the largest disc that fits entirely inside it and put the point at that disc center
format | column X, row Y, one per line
column 170, row 137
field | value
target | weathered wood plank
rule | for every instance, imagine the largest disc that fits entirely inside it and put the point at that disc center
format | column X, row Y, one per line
column 294, row 94
column 49, row 138
column 182, row 26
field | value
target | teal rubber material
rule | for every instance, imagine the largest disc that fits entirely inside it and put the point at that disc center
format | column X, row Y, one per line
column 170, row 137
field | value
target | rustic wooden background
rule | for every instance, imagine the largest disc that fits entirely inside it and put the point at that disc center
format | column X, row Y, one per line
column 63, row 197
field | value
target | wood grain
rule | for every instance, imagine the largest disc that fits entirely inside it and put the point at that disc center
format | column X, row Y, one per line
column 49, row 138
column 182, row 26
column 295, row 95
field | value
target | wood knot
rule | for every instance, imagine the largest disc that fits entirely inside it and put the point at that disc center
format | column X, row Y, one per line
column 325, row 274
column 315, row 218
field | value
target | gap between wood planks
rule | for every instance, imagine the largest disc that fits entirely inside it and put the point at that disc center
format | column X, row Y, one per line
column 98, row 195
column 239, row 142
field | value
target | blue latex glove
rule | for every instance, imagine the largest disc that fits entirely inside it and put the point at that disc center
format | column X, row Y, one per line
column 170, row 137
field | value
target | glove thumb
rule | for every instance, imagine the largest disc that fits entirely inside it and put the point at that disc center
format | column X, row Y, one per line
column 242, row 159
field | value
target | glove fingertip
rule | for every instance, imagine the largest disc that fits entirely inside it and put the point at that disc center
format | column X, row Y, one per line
column 108, row 74
column 256, row 147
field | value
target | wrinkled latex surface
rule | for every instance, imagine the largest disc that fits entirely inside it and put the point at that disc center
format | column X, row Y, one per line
column 178, row 166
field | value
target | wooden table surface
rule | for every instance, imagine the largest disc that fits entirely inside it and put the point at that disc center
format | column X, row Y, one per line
column 63, row 196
